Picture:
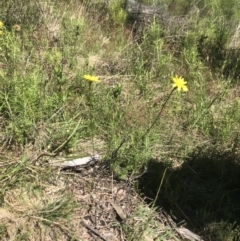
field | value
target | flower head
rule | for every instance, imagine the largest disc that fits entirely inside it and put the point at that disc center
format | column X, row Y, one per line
column 91, row 78
column 179, row 83
column 1, row 27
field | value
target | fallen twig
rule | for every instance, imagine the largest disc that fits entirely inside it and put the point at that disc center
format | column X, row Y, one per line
column 93, row 230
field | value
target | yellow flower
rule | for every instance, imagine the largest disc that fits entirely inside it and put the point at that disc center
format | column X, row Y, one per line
column 1, row 32
column 91, row 78
column 179, row 83
column 1, row 24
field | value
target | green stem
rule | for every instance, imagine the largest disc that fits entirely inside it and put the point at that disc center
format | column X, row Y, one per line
column 159, row 114
column 159, row 187
column 91, row 115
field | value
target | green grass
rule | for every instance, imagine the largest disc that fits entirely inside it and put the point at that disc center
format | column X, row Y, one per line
column 47, row 106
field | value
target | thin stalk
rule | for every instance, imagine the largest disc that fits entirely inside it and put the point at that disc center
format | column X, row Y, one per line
column 91, row 115
column 159, row 113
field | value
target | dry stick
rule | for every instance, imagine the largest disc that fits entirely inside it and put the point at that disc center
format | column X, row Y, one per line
column 93, row 230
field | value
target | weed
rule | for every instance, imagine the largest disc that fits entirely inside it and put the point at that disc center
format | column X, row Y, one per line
column 46, row 105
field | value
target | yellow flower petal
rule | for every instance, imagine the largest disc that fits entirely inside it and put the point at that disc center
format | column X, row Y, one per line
column 179, row 83
column 91, row 78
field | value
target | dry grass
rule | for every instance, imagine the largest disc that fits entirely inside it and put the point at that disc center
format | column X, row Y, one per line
column 47, row 108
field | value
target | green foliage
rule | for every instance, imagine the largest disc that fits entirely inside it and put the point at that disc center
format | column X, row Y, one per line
column 130, row 110
column 60, row 208
column 117, row 13
column 12, row 176
column 20, row 12
column 3, row 230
